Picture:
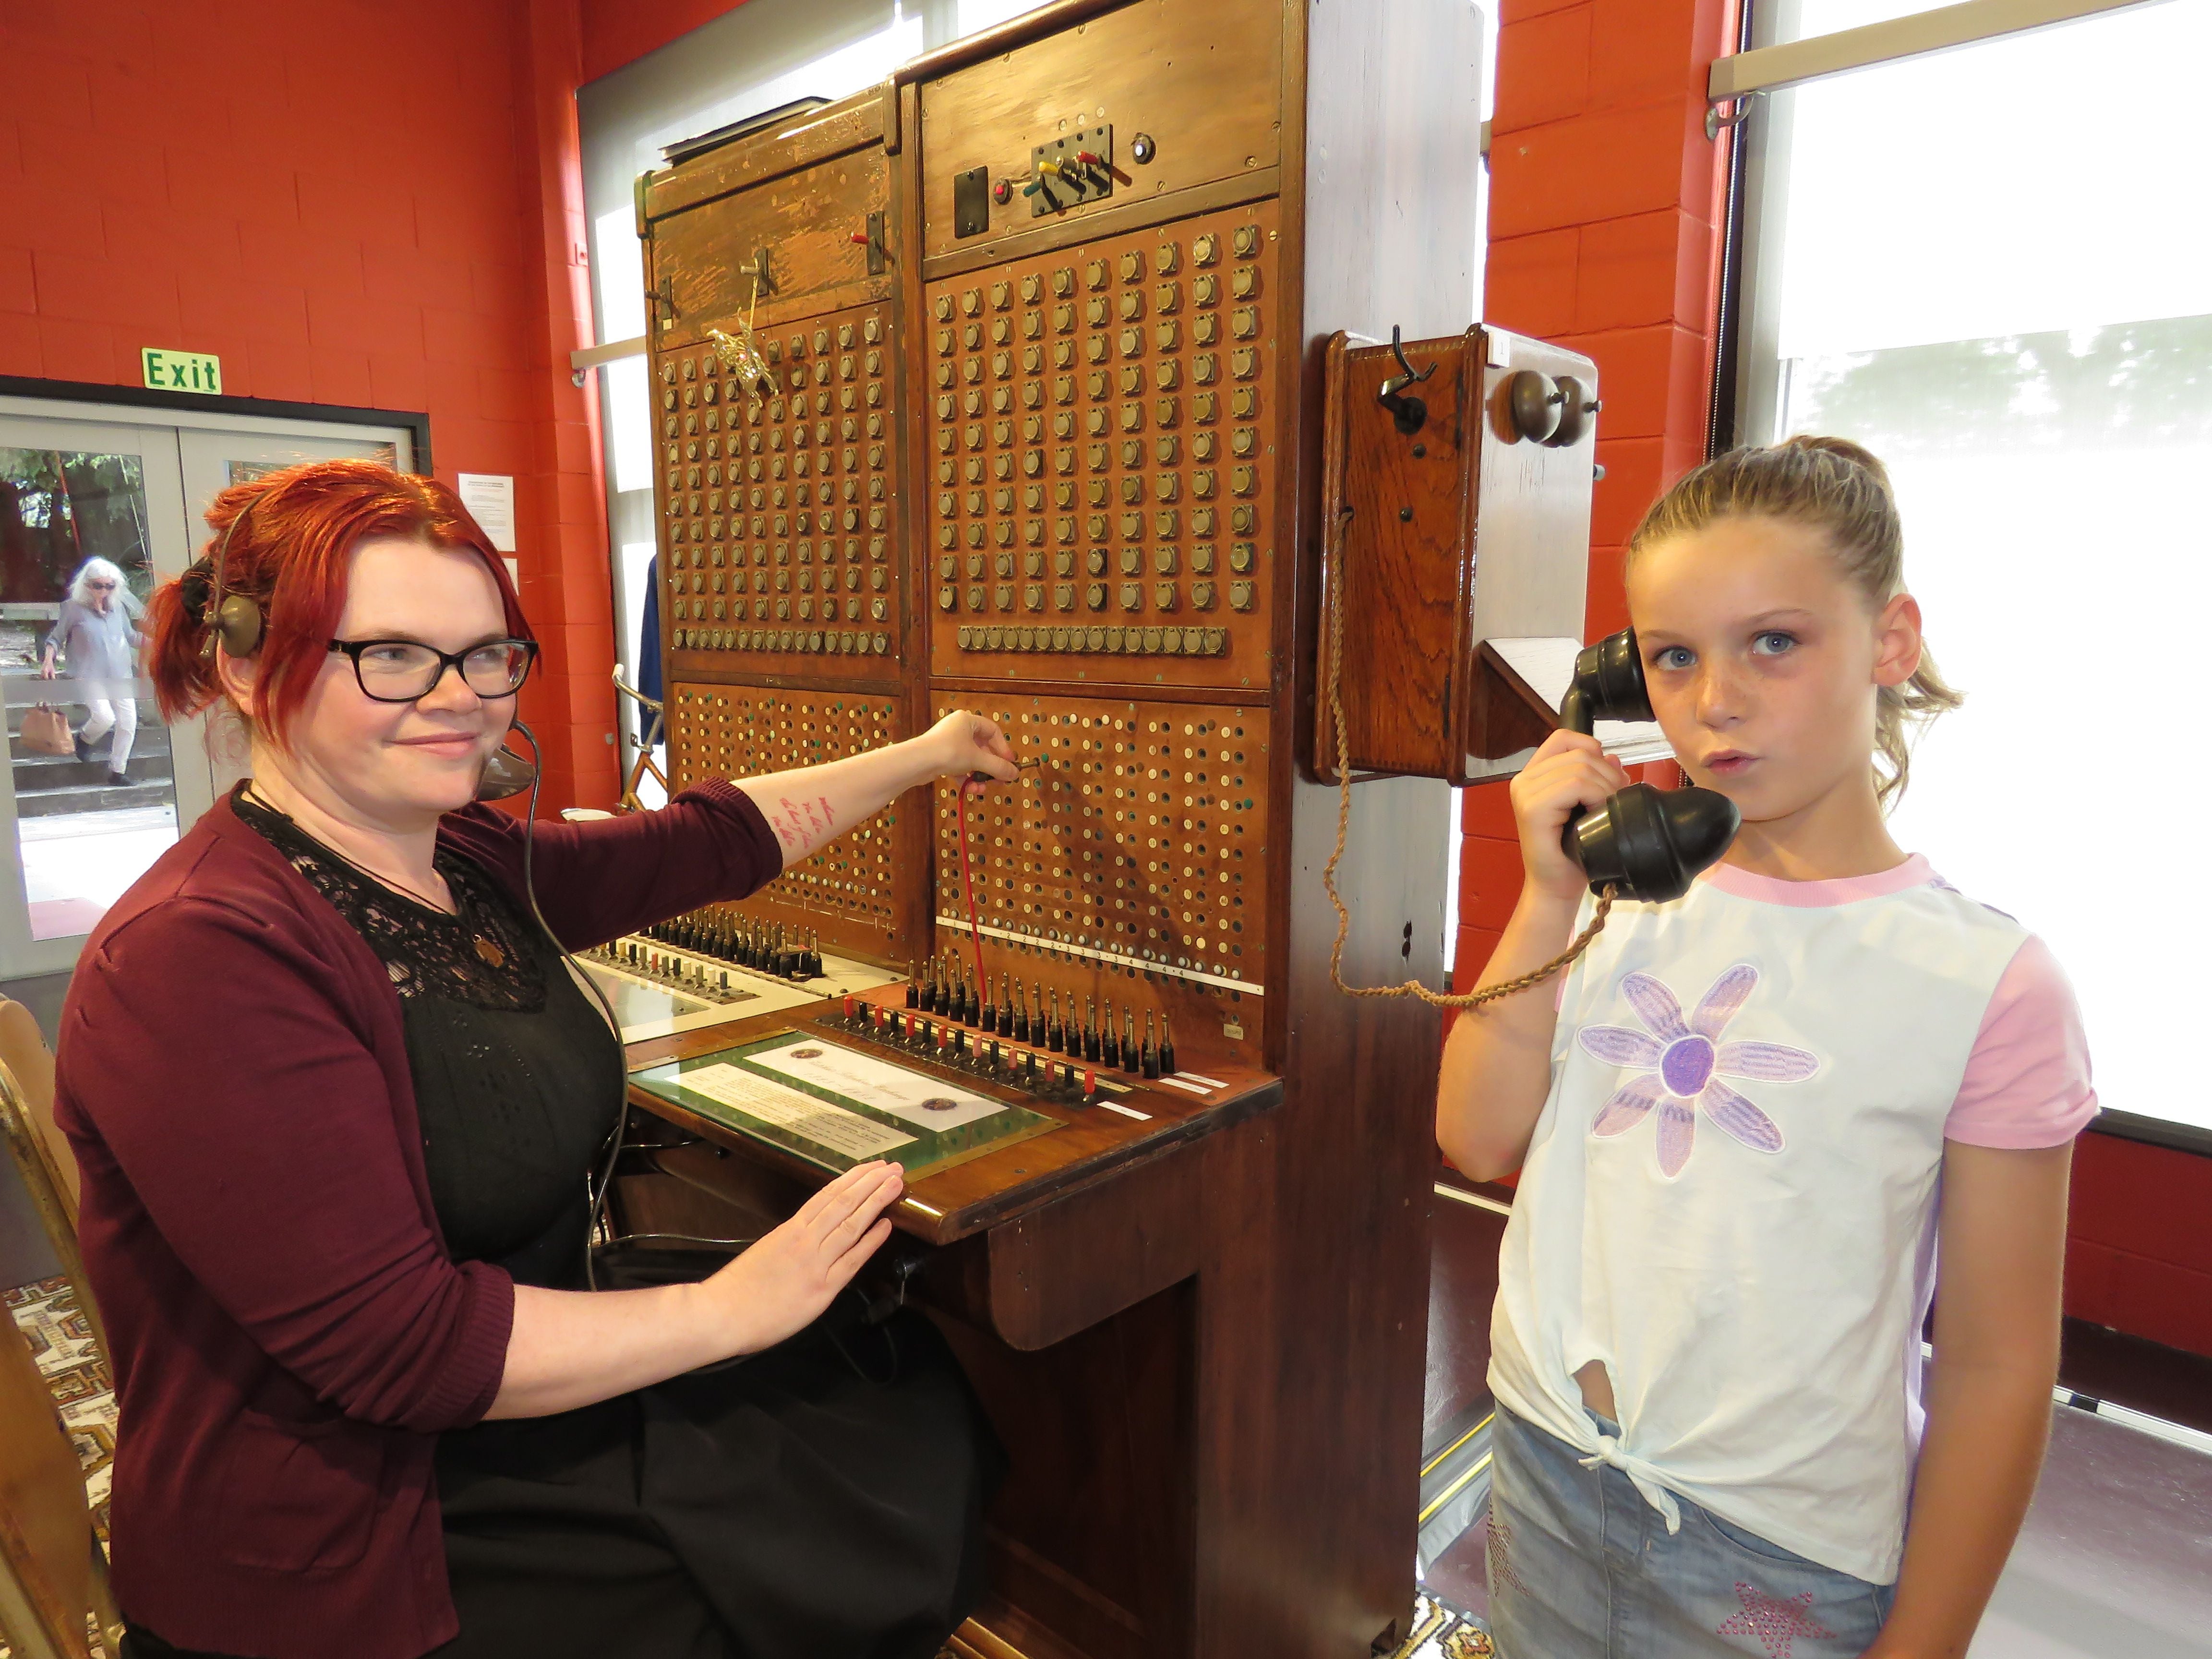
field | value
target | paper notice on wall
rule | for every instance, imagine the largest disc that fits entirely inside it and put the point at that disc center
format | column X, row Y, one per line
column 491, row 497
column 827, row 1126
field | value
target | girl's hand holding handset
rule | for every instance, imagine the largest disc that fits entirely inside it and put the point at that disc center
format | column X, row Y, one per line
column 1570, row 770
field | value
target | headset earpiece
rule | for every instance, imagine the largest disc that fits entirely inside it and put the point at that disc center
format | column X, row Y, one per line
column 1644, row 844
column 237, row 625
column 233, row 619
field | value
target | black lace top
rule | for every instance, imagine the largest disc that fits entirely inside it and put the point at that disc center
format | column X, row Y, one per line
column 517, row 1078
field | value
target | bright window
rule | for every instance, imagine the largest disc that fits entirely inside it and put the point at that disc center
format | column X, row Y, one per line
column 1945, row 265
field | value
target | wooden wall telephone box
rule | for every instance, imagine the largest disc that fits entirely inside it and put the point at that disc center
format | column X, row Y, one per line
column 1455, row 503
column 1046, row 324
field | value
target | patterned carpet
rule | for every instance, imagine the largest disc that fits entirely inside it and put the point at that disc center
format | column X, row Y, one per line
column 1442, row 1631
column 61, row 1339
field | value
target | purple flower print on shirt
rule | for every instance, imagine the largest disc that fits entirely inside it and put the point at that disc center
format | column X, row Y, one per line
column 1689, row 1061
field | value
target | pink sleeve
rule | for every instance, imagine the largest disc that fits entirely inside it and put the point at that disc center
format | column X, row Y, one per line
column 2027, row 1080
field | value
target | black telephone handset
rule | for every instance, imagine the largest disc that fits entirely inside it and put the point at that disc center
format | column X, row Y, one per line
column 1645, row 844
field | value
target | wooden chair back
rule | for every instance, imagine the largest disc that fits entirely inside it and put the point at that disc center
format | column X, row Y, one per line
column 39, row 1150
column 53, row 1569
column 47, row 1547
column 23, row 1052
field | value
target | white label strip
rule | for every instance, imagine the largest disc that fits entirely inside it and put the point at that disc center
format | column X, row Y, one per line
column 1200, row 1077
column 842, row 1132
column 1193, row 1088
column 1089, row 953
column 1127, row 1111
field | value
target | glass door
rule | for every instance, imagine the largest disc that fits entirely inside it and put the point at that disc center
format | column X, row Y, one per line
column 98, row 505
column 91, row 518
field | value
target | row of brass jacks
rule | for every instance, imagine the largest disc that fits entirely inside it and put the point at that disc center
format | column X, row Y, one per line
column 944, row 987
column 950, row 989
column 764, row 947
column 949, row 1045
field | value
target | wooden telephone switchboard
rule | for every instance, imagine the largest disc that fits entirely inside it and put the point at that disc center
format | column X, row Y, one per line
column 1078, row 458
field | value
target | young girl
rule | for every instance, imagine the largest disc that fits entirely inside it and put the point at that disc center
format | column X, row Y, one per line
column 1749, row 1127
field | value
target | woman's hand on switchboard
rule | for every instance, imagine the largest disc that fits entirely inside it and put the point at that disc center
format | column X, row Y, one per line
column 570, row 1348
column 787, row 1280
column 962, row 744
column 1570, row 770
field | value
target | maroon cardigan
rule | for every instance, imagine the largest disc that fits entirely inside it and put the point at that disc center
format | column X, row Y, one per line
column 289, row 1334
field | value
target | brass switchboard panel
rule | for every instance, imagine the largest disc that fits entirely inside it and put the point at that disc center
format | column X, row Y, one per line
column 1130, row 865
column 847, row 891
column 1102, row 459
column 1056, row 455
column 780, row 510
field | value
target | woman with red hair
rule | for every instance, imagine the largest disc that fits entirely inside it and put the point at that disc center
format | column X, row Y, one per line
column 338, row 1104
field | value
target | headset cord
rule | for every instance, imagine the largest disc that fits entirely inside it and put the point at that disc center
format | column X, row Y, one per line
column 596, row 1193
column 1333, row 561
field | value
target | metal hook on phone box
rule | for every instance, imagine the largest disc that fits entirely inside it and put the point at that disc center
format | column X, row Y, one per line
column 1408, row 414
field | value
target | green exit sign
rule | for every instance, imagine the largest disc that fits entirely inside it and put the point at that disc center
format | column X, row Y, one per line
column 181, row 371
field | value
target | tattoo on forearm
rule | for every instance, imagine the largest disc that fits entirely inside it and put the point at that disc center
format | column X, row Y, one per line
column 802, row 826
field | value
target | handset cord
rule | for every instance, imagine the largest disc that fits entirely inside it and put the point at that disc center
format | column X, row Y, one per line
column 1333, row 560
column 607, row 1181
column 599, row 1190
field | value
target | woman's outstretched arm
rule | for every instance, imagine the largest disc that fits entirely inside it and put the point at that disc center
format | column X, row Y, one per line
column 816, row 804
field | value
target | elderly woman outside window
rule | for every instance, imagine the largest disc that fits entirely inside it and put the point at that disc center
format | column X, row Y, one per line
column 100, row 640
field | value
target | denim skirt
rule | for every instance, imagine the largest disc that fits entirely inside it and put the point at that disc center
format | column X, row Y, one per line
column 1582, row 1567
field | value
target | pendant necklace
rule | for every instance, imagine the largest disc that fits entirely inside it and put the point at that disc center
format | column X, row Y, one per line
column 488, row 950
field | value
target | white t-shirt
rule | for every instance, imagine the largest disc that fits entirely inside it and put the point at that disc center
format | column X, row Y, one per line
column 1731, row 1196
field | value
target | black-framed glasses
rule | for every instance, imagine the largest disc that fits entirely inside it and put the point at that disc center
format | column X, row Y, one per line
column 401, row 671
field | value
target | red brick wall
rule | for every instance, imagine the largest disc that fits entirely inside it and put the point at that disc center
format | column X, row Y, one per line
column 351, row 203
column 1604, row 207
column 2138, row 1250
column 618, row 31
